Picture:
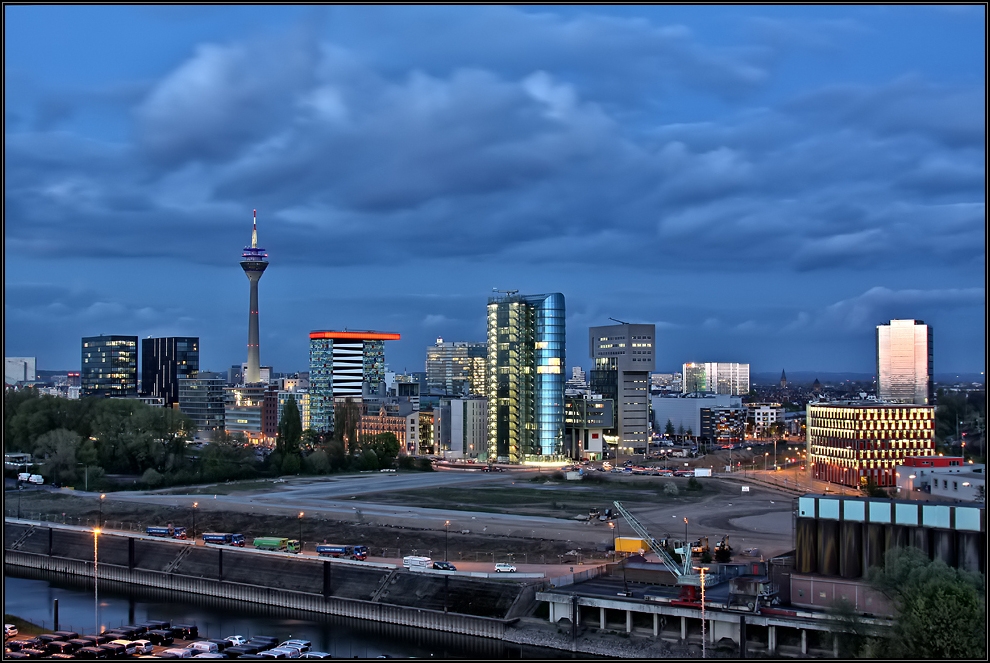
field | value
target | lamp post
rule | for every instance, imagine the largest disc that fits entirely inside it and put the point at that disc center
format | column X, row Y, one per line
column 195, row 506
column 686, row 549
column 103, row 496
column 446, row 536
column 20, row 488
column 96, row 578
column 765, row 455
column 611, row 526
column 300, row 532
column 701, row 570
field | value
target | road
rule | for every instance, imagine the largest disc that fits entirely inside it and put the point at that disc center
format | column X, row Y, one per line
column 760, row 519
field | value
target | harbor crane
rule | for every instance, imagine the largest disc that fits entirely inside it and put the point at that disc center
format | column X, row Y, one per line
column 619, row 321
column 687, row 579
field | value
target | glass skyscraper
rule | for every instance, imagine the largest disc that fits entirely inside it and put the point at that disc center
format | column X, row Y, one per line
column 339, row 363
column 456, row 369
column 525, row 380
column 904, row 362
column 109, row 366
column 163, row 362
column 726, row 378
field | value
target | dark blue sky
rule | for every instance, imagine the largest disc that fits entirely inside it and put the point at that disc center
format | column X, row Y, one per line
column 765, row 184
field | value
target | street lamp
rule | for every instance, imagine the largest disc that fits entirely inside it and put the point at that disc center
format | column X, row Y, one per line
column 446, row 535
column 611, row 526
column 195, row 506
column 103, row 496
column 701, row 570
column 765, row 455
column 300, row 532
column 686, row 550
column 19, row 489
column 96, row 578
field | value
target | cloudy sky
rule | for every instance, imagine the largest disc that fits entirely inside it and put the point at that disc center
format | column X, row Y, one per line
column 765, row 184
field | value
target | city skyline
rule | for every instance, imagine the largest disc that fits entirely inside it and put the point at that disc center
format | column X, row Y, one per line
column 763, row 184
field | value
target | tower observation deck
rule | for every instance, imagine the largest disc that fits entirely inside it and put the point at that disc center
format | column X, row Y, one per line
column 254, row 264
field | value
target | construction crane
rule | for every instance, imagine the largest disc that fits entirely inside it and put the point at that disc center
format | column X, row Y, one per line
column 619, row 321
column 507, row 293
column 685, row 575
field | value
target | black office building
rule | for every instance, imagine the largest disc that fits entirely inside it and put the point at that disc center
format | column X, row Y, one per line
column 164, row 361
column 109, row 366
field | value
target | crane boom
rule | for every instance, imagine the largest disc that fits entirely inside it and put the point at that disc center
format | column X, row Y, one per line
column 683, row 575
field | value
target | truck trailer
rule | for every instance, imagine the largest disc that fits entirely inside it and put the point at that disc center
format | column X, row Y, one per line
column 276, row 543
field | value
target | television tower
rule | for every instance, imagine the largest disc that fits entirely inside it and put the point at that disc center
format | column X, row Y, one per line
column 254, row 264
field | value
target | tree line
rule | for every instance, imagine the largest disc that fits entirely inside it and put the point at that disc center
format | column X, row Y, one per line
column 79, row 442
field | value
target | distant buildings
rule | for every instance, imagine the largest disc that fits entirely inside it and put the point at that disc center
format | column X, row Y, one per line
column 456, row 369
column 254, row 264
column 763, row 416
column 715, row 378
column 201, row 398
column 164, row 361
column 852, row 442
column 462, row 427
column 904, row 362
column 586, row 418
column 525, row 381
column 19, row 369
column 686, row 412
column 109, row 366
column 946, row 477
column 624, row 357
column 244, row 411
column 339, row 363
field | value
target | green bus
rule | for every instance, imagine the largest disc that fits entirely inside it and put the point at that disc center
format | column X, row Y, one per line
column 276, row 543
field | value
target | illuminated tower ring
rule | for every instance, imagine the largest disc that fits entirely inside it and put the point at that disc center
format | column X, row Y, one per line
column 254, row 265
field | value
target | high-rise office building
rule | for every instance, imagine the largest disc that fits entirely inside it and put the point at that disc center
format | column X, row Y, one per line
column 525, row 380
column 109, row 366
column 904, row 362
column 254, row 264
column 854, row 442
column 339, row 363
column 727, row 378
column 164, row 361
column 456, row 369
column 201, row 398
column 19, row 369
column 624, row 356
column 244, row 411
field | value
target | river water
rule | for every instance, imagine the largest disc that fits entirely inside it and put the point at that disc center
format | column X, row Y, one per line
column 29, row 594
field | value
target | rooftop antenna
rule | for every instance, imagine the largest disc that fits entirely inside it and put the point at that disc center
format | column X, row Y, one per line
column 619, row 321
column 254, row 232
column 505, row 292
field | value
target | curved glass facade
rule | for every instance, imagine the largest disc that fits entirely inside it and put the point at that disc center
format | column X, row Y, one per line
column 526, row 377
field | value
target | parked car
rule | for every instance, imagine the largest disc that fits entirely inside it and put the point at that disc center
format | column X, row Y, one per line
column 9, row 630
column 316, row 654
column 444, row 566
column 302, row 645
column 179, row 653
column 143, row 647
column 236, row 639
column 503, row 567
column 91, row 653
column 161, row 638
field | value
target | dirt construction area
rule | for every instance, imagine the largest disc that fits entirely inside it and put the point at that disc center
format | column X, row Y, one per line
column 475, row 516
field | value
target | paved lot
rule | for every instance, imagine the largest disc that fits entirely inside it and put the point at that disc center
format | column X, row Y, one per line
column 761, row 518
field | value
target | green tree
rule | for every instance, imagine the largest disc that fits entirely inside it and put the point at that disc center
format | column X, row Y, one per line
column 873, row 490
column 385, row 446
column 940, row 612
column 317, row 462
column 669, row 429
column 346, row 417
column 58, row 451
column 289, row 428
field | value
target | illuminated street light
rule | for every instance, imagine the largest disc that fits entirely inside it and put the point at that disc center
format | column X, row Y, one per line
column 96, row 578
column 102, row 497
column 446, row 534
column 300, row 532
column 195, row 506
column 701, row 570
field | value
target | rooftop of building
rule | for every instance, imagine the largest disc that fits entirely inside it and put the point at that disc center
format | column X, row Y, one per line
column 356, row 334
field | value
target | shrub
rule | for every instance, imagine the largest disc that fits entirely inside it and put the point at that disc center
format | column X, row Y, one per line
column 693, row 484
column 670, row 488
column 152, row 478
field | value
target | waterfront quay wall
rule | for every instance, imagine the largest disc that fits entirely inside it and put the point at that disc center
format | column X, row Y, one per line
column 468, row 606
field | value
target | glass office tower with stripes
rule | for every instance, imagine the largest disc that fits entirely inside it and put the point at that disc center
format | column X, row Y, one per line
column 525, row 382
column 340, row 362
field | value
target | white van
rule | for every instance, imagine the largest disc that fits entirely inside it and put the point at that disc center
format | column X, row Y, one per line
column 414, row 562
column 130, row 648
column 37, row 479
column 204, row 646
column 502, row 567
column 23, row 476
column 180, row 653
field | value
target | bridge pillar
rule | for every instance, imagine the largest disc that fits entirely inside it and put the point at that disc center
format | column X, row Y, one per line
column 684, row 629
column 804, row 642
column 835, row 646
column 628, row 621
column 772, row 639
column 601, row 618
column 656, row 624
column 553, row 612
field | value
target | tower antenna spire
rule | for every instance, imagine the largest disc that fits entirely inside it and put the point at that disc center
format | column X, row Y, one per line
column 254, row 232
